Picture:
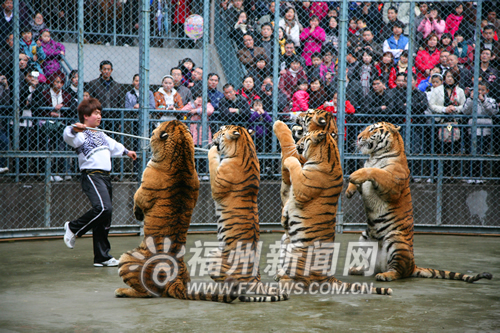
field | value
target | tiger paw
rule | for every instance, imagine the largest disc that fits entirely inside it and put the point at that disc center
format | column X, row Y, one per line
column 387, row 276
column 358, row 177
column 351, row 189
column 280, row 127
column 357, row 270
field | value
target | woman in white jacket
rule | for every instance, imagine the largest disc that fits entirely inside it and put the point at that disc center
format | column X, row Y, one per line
column 447, row 99
column 290, row 24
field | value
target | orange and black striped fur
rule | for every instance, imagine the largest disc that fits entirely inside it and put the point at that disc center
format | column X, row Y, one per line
column 165, row 202
column 311, row 120
column 309, row 214
column 235, row 180
column 384, row 185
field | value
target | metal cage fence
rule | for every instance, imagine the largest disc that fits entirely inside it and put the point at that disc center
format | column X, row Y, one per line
column 243, row 63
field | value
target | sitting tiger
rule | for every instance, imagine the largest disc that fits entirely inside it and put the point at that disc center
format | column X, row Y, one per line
column 309, row 214
column 235, row 183
column 384, row 185
column 165, row 202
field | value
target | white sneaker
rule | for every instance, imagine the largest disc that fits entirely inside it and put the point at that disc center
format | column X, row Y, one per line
column 56, row 179
column 205, row 177
column 429, row 180
column 471, row 181
column 69, row 236
column 67, row 178
column 4, row 170
column 417, row 180
column 108, row 263
column 479, row 181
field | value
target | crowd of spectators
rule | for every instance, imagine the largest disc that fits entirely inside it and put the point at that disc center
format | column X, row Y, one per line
column 376, row 70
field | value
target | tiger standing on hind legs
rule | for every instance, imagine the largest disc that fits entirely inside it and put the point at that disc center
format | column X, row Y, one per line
column 384, row 186
column 235, row 180
column 309, row 214
column 165, row 202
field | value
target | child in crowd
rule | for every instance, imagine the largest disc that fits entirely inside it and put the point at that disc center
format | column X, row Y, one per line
column 33, row 50
column 426, row 84
column 94, row 151
column 314, row 69
column 300, row 98
column 195, row 111
column 53, row 52
column 263, row 124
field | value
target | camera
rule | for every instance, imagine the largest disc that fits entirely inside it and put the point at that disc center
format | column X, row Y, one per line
column 268, row 87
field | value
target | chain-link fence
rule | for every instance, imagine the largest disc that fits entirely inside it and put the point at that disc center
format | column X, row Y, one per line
column 250, row 63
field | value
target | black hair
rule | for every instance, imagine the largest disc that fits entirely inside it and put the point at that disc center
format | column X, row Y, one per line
column 268, row 25
column 393, row 8
column 135, row 75
column 175, row 68
column 213, row 74
column 104, row 63
column 72, row 74
column 227, row 85
column 489, row 27
column 316, row 55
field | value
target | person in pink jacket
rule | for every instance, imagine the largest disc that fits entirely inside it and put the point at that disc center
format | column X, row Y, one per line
column 320, row 9
column 427, row 58
column 312, row 39
column 300, row 99
column 195, row 110
column 454, row 19
column 432, row 23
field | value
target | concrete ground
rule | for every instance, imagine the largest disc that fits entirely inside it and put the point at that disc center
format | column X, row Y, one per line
column 45, row 287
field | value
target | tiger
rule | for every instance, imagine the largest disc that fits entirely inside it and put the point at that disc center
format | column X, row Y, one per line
column 309, row 214
column 384, row 186
column 235, row 181
column 305, row 122
column 165, row 202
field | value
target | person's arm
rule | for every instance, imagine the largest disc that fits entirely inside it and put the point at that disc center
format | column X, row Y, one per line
column 468, row 106
column 423, row 27
column 319, row 35
column 151, row 100
column 490, row 106
column 436, row 101
column 178, row 105
column 72, row 138
column 461, row 100
column 439, row 26
column 129, row 104
column 305, row 34
column 117, row 149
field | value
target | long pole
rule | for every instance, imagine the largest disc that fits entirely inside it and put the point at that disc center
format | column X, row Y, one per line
column 341, row 101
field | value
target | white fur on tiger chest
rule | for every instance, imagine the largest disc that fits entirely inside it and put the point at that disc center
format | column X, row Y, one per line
column 374, row 205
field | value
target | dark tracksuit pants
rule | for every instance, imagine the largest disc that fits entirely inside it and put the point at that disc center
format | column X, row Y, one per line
column 96, row 185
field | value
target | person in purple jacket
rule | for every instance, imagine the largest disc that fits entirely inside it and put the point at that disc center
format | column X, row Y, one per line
column 262, row 125
column 53, row 52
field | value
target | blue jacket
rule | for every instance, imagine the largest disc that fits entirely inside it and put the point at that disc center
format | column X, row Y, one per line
column 29, row 50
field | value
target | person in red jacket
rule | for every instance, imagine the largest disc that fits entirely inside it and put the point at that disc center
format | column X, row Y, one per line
column 427, row 58
column 300, row 99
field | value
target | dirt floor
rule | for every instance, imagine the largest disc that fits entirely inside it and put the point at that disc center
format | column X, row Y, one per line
column 46, row 287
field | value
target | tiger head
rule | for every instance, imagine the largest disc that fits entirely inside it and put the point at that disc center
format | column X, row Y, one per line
column 380, row 138
column 172, row 143
column 318, row 146
column 231, row 139
column 314, row 120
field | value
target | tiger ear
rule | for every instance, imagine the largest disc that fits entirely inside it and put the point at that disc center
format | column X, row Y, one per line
column 235, row 135
column 393, row 128
column 319, row 137
column 251, row 132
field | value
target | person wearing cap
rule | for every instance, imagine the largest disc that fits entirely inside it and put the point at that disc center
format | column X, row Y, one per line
column 398, row 42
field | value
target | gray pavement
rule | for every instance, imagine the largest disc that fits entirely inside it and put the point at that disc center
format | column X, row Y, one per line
column 46, row 287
